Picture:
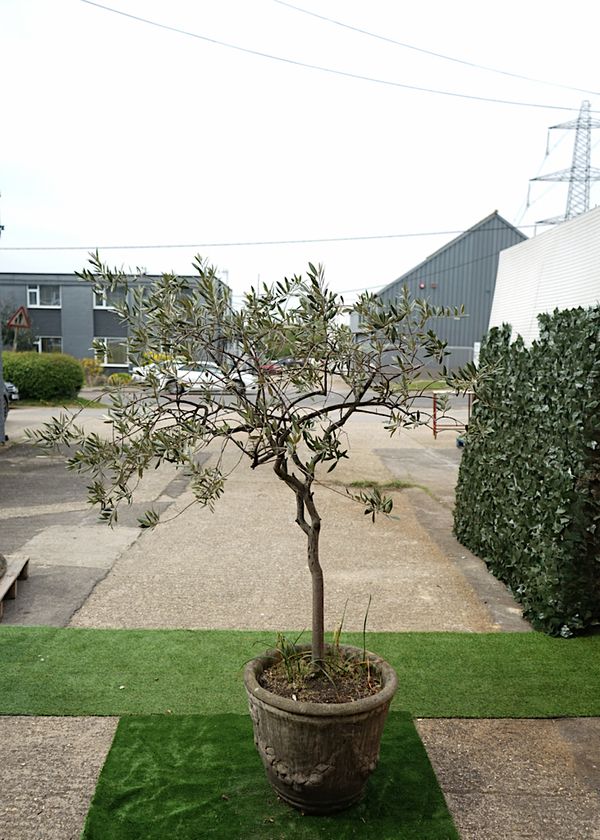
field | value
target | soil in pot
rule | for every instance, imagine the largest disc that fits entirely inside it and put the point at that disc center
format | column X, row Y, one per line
column 321, row 686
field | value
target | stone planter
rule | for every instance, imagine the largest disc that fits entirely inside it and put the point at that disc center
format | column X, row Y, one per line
column 318, row 756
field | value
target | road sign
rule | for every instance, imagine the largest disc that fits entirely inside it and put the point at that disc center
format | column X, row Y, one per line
column 20, row 320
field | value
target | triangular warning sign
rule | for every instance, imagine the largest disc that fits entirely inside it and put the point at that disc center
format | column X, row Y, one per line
column 19, row 319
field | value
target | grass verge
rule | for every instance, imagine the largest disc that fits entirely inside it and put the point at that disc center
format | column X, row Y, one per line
column 396, row 485
column 76, row 671
column 429, row 385
column 200, row 776
column 74, row 402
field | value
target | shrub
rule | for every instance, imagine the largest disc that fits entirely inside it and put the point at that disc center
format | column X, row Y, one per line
column 528, row 493
column 93, row 371
column 119, row 379
column 43, row 376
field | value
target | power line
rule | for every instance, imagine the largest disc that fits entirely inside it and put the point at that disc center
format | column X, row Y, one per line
column 330, row 70
column 427, row 274
column 141, row 247
column 527, row 203
column 423, row 274
column 432, row 53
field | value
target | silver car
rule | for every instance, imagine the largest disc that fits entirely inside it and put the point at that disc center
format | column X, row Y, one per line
column 208, row 376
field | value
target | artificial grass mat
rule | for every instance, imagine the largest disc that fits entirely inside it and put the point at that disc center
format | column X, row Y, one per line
column 78, row 671
column 198, row 776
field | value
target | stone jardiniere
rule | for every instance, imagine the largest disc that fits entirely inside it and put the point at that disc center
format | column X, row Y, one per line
column 318, row 756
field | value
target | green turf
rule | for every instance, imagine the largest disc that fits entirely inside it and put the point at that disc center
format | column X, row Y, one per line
column 191, row 777
column 72, row 671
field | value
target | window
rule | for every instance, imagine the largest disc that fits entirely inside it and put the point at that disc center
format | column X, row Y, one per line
column 113, row 352
column 108, row 299
column 46, row 295
column 48, row 344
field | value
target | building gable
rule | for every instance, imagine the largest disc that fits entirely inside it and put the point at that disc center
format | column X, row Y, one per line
column 461, row 273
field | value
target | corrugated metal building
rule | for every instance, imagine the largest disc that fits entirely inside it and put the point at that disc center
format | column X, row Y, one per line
column 559, row 269
column 463, row 272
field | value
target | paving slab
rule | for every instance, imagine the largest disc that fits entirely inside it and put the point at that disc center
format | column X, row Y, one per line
column 48, row 774
column 50, row 595
column 515, row 779
column 95, row 545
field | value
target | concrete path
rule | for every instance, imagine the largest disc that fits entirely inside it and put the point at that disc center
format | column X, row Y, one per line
column 503, row 780
column 244, row 566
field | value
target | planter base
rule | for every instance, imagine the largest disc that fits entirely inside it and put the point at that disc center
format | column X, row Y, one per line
column 302, row 803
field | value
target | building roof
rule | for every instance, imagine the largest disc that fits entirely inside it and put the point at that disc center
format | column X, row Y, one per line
column 493, row 216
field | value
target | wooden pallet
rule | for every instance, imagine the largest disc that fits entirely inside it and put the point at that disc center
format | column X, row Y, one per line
column 18, row 569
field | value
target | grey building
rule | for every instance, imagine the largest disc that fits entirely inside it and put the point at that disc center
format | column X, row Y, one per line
column 463, row 272
column 66, row 315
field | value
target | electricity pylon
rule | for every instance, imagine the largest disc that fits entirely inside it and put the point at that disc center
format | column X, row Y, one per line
column 581, row 172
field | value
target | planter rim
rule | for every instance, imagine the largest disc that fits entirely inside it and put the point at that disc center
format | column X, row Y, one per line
column 354, row 707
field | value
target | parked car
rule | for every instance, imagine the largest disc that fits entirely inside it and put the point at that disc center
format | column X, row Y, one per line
column 190, row 377
column 289, row 362
column 142, row 372
column 272, row 367
column 200, row 376
column 11, row 393
column 277, row 366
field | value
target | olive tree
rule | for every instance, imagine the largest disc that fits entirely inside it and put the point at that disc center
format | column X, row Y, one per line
column 294, row 421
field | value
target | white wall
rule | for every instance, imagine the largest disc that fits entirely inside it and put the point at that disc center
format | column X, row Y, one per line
column 560, row 268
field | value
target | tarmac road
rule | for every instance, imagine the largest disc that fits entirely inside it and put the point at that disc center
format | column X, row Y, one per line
column 44, row 515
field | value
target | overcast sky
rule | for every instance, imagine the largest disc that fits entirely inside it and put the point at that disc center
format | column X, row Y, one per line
column 116, row 132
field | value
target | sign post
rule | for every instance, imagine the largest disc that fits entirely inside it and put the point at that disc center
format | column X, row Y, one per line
column 20, row 320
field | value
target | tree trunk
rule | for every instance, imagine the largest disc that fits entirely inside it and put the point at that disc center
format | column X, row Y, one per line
column 318, row 593
column 318, row 620
column 305, row 502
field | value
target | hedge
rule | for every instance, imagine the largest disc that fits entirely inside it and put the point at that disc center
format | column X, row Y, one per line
column 528, row 493
column 43, row 376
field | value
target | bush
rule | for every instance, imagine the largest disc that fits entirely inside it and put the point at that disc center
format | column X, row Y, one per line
column 92, row 371
column 528, row 493
column 119, row 379
column 43, row 376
